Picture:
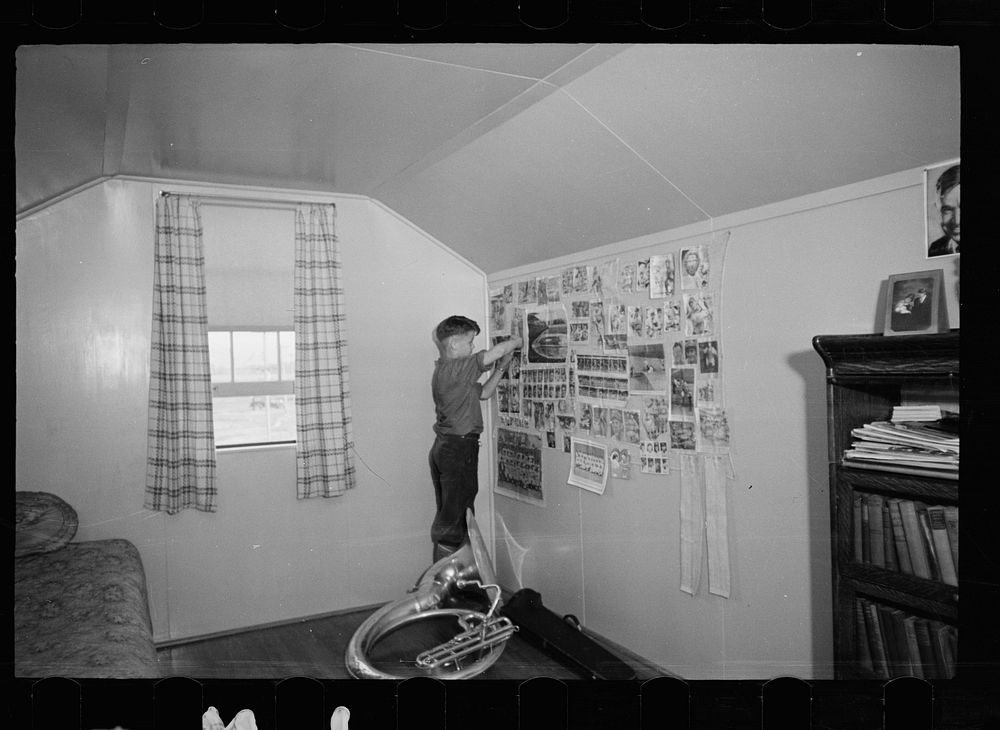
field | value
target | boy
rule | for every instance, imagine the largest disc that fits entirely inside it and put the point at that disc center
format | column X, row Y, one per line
column 454, row 457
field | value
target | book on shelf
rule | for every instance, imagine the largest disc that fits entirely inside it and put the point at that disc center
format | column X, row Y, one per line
column 902, row 661
column 951, row 522
column 941, row 543
column 891, row 561
column 914, row 663
column 896, row 469
column 928, row 657
column 880, row 662
column 892, row 642
column 915, row 539
column 944, row 642
column 913, row 647
column 876, row 539
column 861, row 637
column 906, row 536
column 929, row 548
column 859, row 528
column 899, row 537
column 866, row 535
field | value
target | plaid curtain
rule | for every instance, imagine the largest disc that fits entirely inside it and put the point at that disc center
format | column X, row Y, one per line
column 324, row 463
column 180, row 462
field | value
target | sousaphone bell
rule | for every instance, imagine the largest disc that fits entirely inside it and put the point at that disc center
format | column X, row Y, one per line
column 458, row 585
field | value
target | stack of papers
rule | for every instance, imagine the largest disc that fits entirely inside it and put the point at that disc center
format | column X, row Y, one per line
column 911, row 447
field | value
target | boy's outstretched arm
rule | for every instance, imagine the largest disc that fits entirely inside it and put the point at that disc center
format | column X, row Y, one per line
column 491, row 383
column 500, row 349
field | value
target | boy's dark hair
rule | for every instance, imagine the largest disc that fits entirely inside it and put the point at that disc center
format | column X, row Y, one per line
column 455, row 325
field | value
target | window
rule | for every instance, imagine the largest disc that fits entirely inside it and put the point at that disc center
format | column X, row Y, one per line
column 253, row 375
column 249, row 273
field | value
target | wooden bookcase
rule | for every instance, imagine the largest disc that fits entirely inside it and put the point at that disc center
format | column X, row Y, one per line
column 866, row 375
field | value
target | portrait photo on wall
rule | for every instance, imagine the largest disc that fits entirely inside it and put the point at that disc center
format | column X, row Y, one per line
column 915, row 303
column 942, row 209
column 694, row 267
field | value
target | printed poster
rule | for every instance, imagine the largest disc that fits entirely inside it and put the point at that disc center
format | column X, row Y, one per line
column 709, row 391
column 588, row 465
column 699, row 314
column 547, row 340
column 519, row 465
column 661, row 276
column 656, row 418
column 713, row 431
column 682, row 436
column 708, row 357
column 671, row 315
column 694, row 267
column 626, row 278
column 621, row 463
column 654, row 457
column 647, row 368
column 682, row 392
column 498, row 313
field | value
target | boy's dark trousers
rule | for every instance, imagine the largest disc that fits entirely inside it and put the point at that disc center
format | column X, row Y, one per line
column 454, row 462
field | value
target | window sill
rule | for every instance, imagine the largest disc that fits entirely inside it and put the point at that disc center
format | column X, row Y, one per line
column 242, row 449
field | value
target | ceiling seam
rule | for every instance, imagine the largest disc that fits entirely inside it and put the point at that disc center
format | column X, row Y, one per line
column 445, row 63
column 417, row 165
column 575, row 58
column 633, row 151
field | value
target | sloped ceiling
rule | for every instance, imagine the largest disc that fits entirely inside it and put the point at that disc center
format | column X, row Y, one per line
column 507, row 153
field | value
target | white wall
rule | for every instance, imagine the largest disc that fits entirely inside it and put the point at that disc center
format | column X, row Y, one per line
column 84, row 303
column 804, row 267
column 814, row 265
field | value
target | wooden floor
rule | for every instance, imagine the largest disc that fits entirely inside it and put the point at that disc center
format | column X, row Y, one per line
column 315, row 648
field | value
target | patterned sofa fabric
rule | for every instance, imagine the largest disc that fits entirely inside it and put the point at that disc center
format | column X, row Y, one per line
column 83, row 611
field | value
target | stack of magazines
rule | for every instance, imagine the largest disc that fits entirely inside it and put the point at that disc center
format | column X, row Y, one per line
column 925, row 448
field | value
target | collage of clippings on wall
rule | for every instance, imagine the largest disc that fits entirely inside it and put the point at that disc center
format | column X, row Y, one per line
column 620, row 368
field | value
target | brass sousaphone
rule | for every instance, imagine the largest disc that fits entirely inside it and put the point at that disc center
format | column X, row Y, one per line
column 444, row 589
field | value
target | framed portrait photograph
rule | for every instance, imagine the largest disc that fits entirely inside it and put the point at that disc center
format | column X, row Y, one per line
column 942, row 209
column 915, row 303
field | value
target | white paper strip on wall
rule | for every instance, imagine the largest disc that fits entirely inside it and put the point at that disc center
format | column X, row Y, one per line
column 716, row 526
column 692, row 524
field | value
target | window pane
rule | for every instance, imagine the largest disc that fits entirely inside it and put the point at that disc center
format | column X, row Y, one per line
column 255, row 356
column 271, row 356
column 253, row 419
column 239, row 420
column 218, row 357
column 287, row 339
column 281, row 415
